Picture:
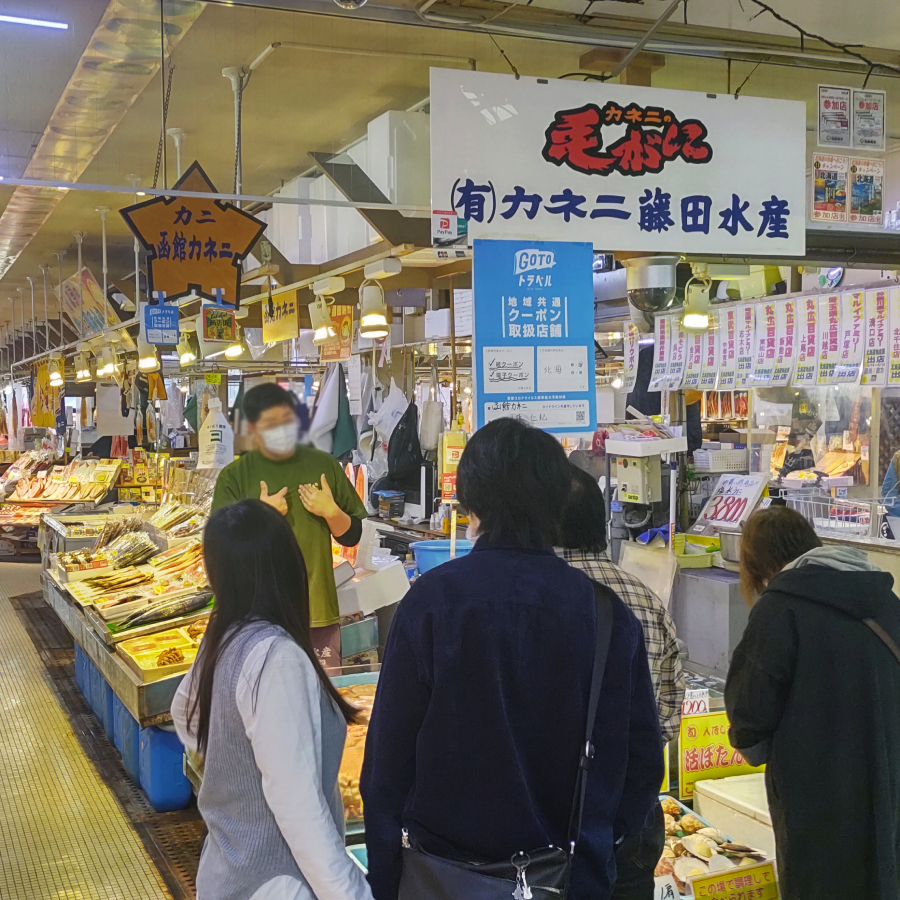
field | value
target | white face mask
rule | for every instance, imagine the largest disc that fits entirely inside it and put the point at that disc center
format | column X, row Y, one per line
column 280, row 440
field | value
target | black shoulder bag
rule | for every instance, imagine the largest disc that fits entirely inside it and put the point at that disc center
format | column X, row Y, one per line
column 539, row 874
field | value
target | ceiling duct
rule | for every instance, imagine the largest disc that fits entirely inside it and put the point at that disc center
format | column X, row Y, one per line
column 120, row 59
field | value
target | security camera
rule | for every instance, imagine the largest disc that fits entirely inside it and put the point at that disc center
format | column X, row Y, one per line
column 350, row 4
column 650, row 282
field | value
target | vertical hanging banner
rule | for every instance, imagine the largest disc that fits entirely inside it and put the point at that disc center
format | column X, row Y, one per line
column 694, row 365
column 709, row 375
column 746, row 332
column 728, row 325
column 874, row 368
column 630, row 351
column 284, row 322
column 338, row 350
column 894, row 347
column 533, row 350
column 677, row 354
column 829, row 188
column 807, row 368
column 868, row 120
column 834, row 117
column 852, row 340
column 766, row 344
column 785, row 342
column 662, row 334
column 829, row 337
column 867, row 191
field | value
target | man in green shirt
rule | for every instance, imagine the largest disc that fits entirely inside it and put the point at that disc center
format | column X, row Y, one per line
column 306, row 485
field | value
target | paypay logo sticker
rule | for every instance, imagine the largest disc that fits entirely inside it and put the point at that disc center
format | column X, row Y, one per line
column 533, row 260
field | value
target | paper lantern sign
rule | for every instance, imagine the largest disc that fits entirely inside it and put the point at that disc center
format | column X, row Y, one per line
column 195, row 245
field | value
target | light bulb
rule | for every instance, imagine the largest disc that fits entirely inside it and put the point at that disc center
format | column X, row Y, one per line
column 55, row 371
column 186, row 353
column 616, row 383
column 234, row 350
column 320, row 319
column 82, row 368
column 372, row 313
column 148, row 360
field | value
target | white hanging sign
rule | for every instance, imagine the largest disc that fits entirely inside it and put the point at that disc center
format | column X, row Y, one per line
column 746, row 332
column 894, row 347
column 631, row 349
column 852, row 341
column 868, row 119
column 766, row 341
column 728, row 320
column 694, row 365
column 662, row 333
column 785, row 342
column 874, row 369
column 677, row 355
column 829, row 337
column 807, row 367
column 709, row 375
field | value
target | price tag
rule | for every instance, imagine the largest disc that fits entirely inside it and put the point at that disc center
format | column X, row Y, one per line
column 213, row 377
column 696, row 701
column 665, row 888
column 732, row 502
column 758, row 882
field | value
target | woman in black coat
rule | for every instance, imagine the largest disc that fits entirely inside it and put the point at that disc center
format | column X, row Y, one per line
column 814, row 692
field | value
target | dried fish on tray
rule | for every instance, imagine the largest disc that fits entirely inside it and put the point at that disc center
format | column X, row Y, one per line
column 167, row 609
column 130, row 549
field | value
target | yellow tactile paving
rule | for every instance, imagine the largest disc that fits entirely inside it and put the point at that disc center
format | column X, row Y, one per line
column 63, row 836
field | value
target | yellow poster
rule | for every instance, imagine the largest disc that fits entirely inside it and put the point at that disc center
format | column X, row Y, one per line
column 756, row 882
column 706, row 752
column 46, row 400
column 338, row 349
column 284, row 323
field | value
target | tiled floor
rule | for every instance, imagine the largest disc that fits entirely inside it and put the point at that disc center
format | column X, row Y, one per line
column 63, row 835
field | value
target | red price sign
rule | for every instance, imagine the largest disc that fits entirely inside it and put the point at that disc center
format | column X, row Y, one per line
column 726, row 509
column 731, row 503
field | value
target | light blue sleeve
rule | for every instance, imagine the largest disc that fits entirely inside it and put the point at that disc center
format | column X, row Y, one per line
column 889, row 491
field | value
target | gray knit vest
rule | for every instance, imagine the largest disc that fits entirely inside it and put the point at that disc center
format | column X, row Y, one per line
column 244, row 848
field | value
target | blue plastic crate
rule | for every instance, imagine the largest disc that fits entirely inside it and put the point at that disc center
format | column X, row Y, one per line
column 106, row 709
column 80, row 668
column 117, row 705
column 96, row 699
column 128, row 740
column 162, row 770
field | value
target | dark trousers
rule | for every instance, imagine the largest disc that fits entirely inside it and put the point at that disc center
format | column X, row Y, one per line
column 636, row 859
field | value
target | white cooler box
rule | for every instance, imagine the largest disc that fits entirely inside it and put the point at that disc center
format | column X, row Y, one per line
column 738, row 806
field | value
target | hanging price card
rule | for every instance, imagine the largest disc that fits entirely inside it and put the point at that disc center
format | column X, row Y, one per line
column 746, row 332
column 662, row 333
column 728, row 346
column 631, row 349
column 852, row 336
column 807, row 367
column 829, row 337
column 694, row 364
column 766, row 344
column 874, row 369
column 677, row 355
column 785, row 342
column 709, row 374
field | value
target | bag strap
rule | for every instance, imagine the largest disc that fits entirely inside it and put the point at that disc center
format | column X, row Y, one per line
column 885, row 637
column 601, row 652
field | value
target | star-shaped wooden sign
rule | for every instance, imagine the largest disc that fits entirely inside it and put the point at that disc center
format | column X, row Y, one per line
column 195, row 245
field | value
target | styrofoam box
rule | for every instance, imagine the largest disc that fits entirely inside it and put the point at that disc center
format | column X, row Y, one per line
column 738, row 806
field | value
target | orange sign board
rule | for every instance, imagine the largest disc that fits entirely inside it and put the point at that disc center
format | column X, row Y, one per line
column 756, row 882
column 195, row 245
column 338, row 350
column 705, row 752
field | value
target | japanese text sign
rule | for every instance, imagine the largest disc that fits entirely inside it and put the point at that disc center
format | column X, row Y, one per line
column 868, row 119
column 218, row 325
column 709, row 374
column 662, row 338
column 834, row 116
column 867, row 191
column 623, row 167
column 745, row 883
column 874, row 370
column 533, row 348
column 731, row 503
column 630, row 352
column 161, row 323
column 746, row 332
column 894, row 341
column 785, row 342
column 766, row 344
column 705, row 752
column 728, row 323
column 338, row 350
column 852, row 339
column 829, row 337
column 829, row 184
column 194, row 245
column 282, row 323
column 677, row 355
column 807, row 368
column 693, row 366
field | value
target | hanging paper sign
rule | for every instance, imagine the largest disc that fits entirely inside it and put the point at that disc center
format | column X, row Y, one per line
column 829, row 337
column 705, row 752
column 852, row 341
column 894, row 347
column 866, row 191
column 631, row 349
column 834, row 116
column 868, row 120
column 662, row 332
column 874, row 369
column 338, row 350
column 785, row 342
column 161, row 323
column 758, row 882
column 807, row 367
column 283, row 324
column 709, row 374
column 218, row 325
column 97, row 314
column 746, row 332
column 766, row 344
column 829, row 188
column 728, row 347
column 194, row 245
column 677, row 355
column 694, row 365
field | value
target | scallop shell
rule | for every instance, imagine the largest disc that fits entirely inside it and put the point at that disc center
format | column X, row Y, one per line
column 668, row 853
column 665, row 866
column 688, row 866
column 671, row 824
column 690, row 823
column 714, row 834
column 702, row 847
column 678, row 848
column 719, row 863
column 748, row 861
column 671, row 806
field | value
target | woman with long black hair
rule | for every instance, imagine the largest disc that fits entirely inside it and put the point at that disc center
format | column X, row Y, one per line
column 269, row 724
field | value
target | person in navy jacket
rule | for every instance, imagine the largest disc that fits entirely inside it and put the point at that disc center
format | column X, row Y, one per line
column 481, row 706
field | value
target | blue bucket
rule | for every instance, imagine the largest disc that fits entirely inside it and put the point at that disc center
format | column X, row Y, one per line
column 432, row 553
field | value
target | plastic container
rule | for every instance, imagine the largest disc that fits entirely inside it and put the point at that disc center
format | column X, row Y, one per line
column 162, row 770
column 80, row 668
column 96, row 699
column 117, row 706
column 430, row 554
column 107, row 712
column 128, row 740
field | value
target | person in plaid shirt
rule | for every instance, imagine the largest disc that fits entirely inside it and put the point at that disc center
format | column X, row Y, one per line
column 583, row 539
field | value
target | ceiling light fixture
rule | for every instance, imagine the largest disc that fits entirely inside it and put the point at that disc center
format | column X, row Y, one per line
column 696, row 304
column 56, row 371
column 185, row 351
column 109, row 366
column 232, row 351
column 40, row 23
column 372, row 312
column 148, row 359
column 82, row 367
